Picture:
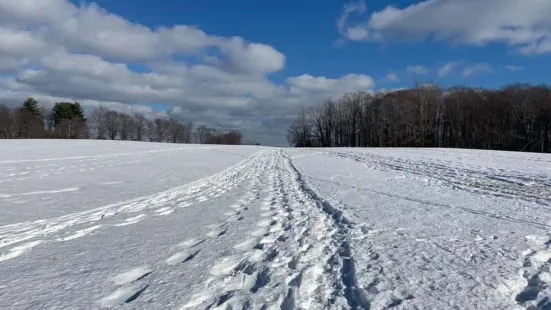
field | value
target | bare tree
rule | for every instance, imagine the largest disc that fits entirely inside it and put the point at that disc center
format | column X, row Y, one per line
column 112, row 124
column 203, row 134
column 300, row 132
column 517, row 117
column 161, row 129
column 140, row 123
column 125, row 126
column 99, row 121
column 7, row 120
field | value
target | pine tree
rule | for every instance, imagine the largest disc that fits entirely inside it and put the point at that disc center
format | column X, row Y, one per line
column 31, row 122
column 78, row 111
column 30, row 106
column 68, row 119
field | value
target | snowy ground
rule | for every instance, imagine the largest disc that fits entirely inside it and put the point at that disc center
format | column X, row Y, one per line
column 99, row 224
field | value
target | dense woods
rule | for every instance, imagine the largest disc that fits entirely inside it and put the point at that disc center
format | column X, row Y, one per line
column 67, row 120
column 514, row 118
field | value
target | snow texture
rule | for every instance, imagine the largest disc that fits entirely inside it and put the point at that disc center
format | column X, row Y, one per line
column 127, row 225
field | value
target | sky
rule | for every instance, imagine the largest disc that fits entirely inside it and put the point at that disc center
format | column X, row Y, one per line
column 251, row 65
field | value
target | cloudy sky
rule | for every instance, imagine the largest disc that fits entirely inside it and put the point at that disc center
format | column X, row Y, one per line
column 251, row 64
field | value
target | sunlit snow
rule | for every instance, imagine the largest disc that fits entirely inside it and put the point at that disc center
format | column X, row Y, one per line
column 129, row 225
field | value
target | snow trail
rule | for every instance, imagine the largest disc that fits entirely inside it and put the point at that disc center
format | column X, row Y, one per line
column 290, row 262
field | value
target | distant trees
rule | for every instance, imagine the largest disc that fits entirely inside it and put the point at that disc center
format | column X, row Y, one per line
column 29, row 119
column 66, row 120
column 516, row 118
column 205, row 135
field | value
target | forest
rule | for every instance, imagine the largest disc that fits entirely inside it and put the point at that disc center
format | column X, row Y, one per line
column 514, row 118
column 67, row 120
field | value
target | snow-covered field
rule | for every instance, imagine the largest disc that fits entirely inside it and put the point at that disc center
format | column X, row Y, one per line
column 101, row 224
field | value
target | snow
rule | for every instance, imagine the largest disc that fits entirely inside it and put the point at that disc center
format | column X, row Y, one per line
column 160, row 226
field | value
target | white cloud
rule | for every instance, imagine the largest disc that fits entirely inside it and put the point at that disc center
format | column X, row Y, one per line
column 513, row 68
column 417, row 70
column 357, row 34
column 446, row 69
column 392, row 77
column 83, row 53
column 523, row 24
column 477, row 69
column 347, row 83
column 352, row 33
column 19, row 43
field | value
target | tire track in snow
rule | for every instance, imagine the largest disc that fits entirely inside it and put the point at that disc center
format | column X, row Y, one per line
column 505, row 218
column 535, row 189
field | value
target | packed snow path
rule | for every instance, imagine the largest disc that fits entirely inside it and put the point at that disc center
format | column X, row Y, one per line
column 275, row 229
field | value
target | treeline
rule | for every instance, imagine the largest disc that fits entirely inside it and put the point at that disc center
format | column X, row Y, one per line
column 514, row 118
column 66, row 120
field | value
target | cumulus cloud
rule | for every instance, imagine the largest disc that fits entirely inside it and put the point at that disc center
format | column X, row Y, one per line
column 392, row 77
column 513, row 68
column 417, row 70
column 522, row 24
column 477, row 69
column 55, row 50
column 352, row 33
column 446, row 69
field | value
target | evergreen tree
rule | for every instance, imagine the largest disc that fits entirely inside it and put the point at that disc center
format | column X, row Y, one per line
column 31, row 122
column 68, row 118
column 30, row 106
column 78, row 111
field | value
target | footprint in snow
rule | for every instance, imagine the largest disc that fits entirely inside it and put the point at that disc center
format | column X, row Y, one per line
column 131, row 220
column 220, row 231
column 246, row 245
column 266, row 223
column 79, row 233
column 235, row 218
column 236, row 206
column 215, row 226
column 267, row 214
column 132, row 275
column 164, row 211
column 129, row 289
column 190, row 243
column 268, row 201
column 184, row 205
column 181, row 257
column 197, row 300
column 123, row 295
column 259, row 232
column 228, row 265
column 19, row 250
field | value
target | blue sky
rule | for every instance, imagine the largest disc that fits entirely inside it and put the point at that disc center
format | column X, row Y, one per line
column 250, row 66
column 305, row 32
